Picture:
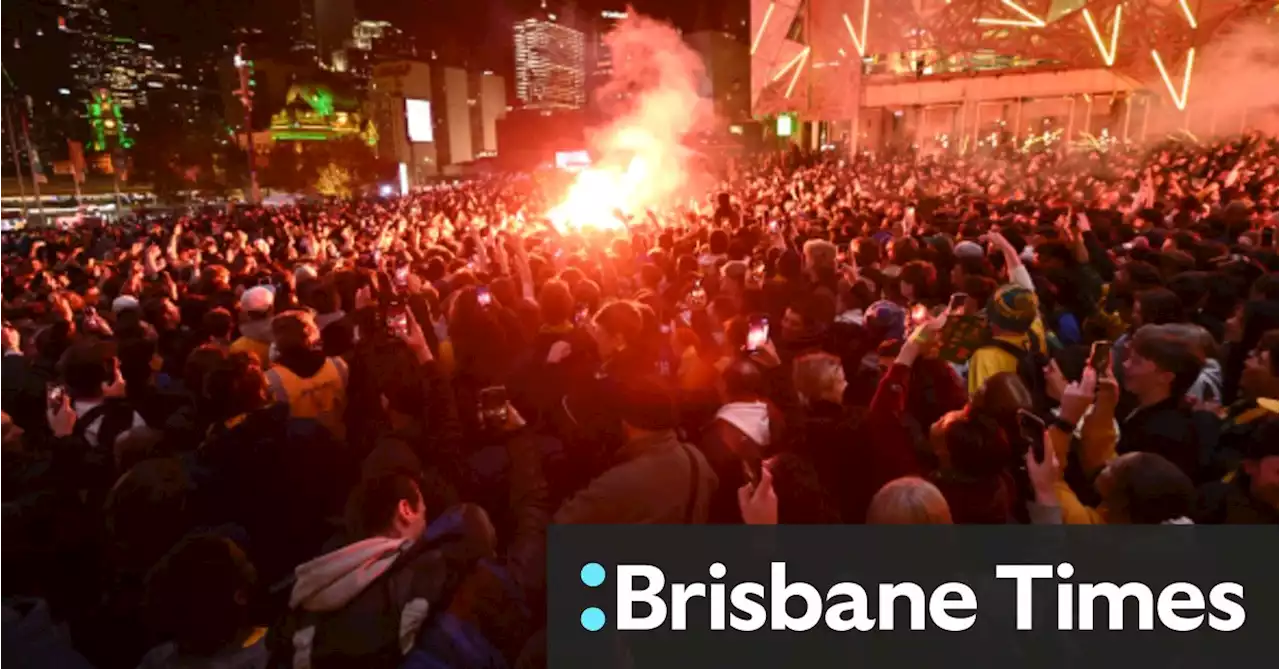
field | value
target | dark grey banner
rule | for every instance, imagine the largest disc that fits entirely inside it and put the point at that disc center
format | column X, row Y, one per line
column 912, row 596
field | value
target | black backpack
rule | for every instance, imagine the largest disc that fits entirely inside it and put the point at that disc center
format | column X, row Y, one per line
column 1031, row 364
column 117, row 418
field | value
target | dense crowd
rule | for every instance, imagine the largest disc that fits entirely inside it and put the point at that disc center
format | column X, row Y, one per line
column 334, row 434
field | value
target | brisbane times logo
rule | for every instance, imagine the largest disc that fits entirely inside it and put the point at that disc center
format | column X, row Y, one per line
column 643, row 599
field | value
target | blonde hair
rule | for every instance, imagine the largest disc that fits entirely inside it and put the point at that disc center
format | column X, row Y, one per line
column 820, row 253
column 814, row 373
column 909, row 501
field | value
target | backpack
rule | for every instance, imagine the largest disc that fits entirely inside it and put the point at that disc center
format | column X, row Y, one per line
column 117, row 418
column 1031, row 364
column 379, row 627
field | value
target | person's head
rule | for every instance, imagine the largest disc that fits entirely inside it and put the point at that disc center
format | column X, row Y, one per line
column 917, row 280
column 88, row 366
column 908, row 501
column 802, row 498
column 1145, row 489
column 617, row 326
column 388, row 505
column 235, row 386
column 1160, row 364
column 199, row 594
column 1262, row 369
column 970, row 443
column 256, row 304
column 217, row 324
column 147, row 511
column 1012, row 310
column 295, row 332
column 1157, row 306
column 1053, row 255
column 819, row 254
column 1261, row 464
column 819, row 377
column 645, row 404
column 797, row 322
column 161, row 313
column 742, row 381
column 12, row 338
column 555, row 302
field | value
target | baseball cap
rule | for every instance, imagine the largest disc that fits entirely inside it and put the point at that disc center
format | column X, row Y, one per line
column 124, row 303
column 258, row 298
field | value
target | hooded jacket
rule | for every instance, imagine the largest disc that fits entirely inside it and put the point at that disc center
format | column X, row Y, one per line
column 32, row 640
column 364, row 604
column 741, row 433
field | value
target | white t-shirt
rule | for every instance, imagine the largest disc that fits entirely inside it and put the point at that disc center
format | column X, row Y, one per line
column 91, row 432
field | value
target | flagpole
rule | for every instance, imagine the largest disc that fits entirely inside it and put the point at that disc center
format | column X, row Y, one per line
column 31, row 162
column 17, row 164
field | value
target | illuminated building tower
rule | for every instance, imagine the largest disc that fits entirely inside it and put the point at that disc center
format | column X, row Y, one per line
column 333, row 22
column 599, row 58
column 106, row 123
column 550, row 72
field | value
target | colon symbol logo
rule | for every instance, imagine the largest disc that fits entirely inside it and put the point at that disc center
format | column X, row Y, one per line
column 592, row 574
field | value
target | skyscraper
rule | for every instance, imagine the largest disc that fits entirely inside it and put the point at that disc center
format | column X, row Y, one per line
column 333, row 22
column 550, row 63
column 599, row 58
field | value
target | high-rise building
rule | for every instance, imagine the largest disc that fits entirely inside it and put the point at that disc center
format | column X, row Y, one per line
column 599, row 57
column 373, row 42
column 550, row 63
column 333, row 23
column 435, row 118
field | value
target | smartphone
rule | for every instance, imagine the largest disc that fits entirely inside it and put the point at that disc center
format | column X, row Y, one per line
column 483, row 297
column 957, row 302
column 697, row 295
column 90, row 312
column 401, row 278
column 1031, row 430
column 581, row 314
column 686, row 315
column 55, row 394
column 493, row 406
column 398, row 319
column 773, row 226
column 757, row 333
column 1100, row 356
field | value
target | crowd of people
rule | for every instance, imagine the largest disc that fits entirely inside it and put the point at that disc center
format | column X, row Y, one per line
column 334, row 434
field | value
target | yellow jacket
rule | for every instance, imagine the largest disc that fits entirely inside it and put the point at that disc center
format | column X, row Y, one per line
column 1098, row 437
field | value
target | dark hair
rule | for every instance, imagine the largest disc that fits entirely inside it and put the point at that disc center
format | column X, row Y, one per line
column 192, row 593
column 199, row 363
column 921, row 276
column 742, row 378
column 217, row 323
column 86, row 365
column 372, row 506
column 1160, row 306
column 1171, row 352
column 235, row 386
column 623, row 320
column 802, row 499
column 645, row 402
column 555, row 302
column 1148, row 490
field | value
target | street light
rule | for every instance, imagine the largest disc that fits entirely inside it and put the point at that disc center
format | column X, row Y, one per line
column 245, row 93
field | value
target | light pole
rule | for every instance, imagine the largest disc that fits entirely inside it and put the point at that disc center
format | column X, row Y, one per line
column 245, row 93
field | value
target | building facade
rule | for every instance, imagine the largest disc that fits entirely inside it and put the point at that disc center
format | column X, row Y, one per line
column 464, row 109
column 599, row 58
column 550, row 67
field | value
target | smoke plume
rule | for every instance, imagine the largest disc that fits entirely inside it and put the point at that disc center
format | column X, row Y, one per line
column 653, row 98
column 1236, row 74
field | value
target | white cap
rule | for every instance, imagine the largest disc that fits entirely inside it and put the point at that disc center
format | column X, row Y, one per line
column 258, row 298
column 304, row 272
column 123, row 303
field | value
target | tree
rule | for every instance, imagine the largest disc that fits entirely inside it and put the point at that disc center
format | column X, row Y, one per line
column 334, row 181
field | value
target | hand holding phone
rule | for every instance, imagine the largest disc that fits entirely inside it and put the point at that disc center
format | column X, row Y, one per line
column 483, row 297
column 494, row 410
column 1031, row 432
column 398, row 319
column 757, row 333
column 1100, row 357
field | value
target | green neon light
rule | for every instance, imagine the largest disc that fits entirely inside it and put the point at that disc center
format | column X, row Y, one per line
column 322, row 103
column 288, row 135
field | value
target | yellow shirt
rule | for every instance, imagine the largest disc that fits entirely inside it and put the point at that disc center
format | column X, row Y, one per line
column 321, row 397
column 988, row 361
column 259, row 348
